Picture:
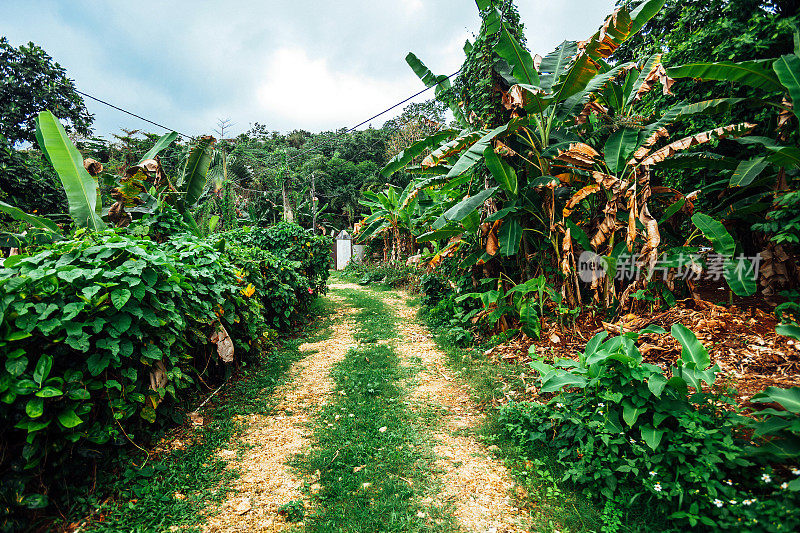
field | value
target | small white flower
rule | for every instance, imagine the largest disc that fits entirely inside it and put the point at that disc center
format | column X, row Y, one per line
column 729, row 482
column 633, row 441
column 784, row 485
column 747, row 502
column 766, row 478
column 733, row 502
column 383, row 429
column 366, row 485
column 657, row 487
column 337, row 417
column 796, row 471
column 718, row 502
column 601, row 404
column 420, row 514
column 559, row 406
column 351, row 415
column 652, row 473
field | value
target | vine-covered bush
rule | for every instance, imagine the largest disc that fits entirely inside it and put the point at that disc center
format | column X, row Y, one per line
column 101, row 335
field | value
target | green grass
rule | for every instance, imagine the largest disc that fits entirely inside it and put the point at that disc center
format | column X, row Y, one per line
column 144, row 498
column 363, row 479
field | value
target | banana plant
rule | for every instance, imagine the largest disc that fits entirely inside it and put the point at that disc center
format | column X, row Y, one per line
column 778, row 77
column 391, row 216
column 141, row 189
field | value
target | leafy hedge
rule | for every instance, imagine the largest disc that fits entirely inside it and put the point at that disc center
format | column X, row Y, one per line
column 291, row 242
column 104, row 334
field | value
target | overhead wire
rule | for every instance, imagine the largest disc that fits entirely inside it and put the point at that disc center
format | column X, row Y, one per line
column 131, row 113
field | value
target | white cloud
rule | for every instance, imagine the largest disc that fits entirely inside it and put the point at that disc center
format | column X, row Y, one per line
column 308, row 93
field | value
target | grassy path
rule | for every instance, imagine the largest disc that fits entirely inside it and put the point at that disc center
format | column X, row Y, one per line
column 361, row 428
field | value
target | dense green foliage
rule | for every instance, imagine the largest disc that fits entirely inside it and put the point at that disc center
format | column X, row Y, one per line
column 106, row 333
column 642, row 440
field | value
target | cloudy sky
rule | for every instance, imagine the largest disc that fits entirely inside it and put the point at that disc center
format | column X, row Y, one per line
column 309, row 64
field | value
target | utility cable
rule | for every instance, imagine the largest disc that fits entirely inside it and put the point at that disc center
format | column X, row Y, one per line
column 132, row 114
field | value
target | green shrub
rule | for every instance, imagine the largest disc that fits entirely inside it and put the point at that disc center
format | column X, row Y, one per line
column 631, row 435
column 278, row 284
column 391, row 274
column 85, row 325
column 292, row 242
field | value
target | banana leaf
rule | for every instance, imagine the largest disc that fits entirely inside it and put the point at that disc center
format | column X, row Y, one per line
column 67, row 161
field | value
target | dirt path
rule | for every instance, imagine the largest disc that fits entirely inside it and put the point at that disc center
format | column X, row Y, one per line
column 477, row 484
column 272, row 440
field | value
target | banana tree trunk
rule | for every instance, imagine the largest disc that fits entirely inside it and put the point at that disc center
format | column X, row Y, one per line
column 288, row 209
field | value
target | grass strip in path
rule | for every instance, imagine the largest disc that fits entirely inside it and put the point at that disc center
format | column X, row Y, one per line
column 172, row 491
column 369, row 465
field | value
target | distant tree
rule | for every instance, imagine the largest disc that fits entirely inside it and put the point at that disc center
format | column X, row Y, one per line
column 31, row 82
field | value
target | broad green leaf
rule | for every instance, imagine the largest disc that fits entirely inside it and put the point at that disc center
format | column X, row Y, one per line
column 740, row 276
column 406, row 156
column 119, row 297
column 195, row 172
column 619, row 148
column 475, row 152
column 68, row 418
column 787, row 68
column 717, row 105
column 594, row 343
column 559, row 381
column 747, row 171
column 693, row 351
column 554, row 63
column 758, row 74
column 501, row 171
column 97, row 362
column 67, row 161
column 520, row 59
column 49, row 392
column 788, row 398
column 643, row 13
column 36, row 222
column 509, row 237
column 35, row 407
column 631, row 413
column 16, row 366
column 788, row 330
column 463, row 208
column 656, row 384
column 577, row 77
column 35, row 501
column 42, row 369
column 161, row 143
column 714, row 231
column 652, row 436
